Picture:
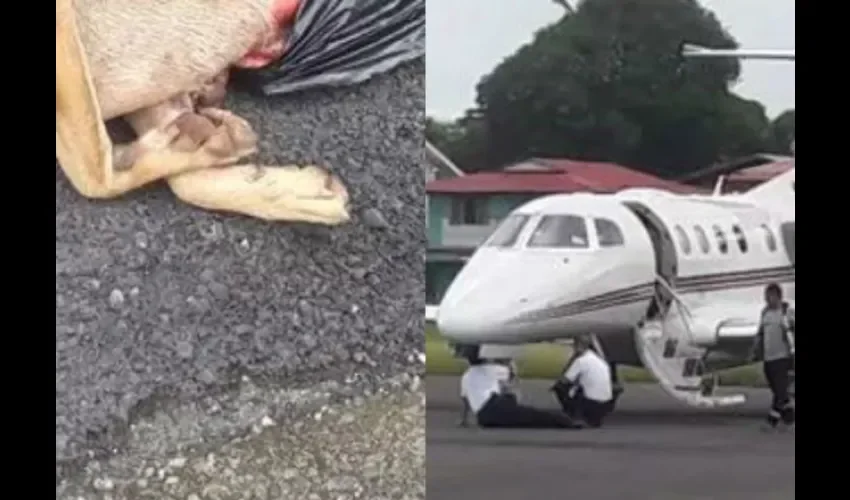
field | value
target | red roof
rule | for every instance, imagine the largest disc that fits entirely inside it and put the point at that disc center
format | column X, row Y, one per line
column 549, row 175
column 761, row 173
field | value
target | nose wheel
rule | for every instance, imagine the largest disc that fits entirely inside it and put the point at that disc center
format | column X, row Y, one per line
column 617, row 388
column 615, row 380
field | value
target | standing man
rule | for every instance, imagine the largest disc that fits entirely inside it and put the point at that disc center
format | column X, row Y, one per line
column 484, row 389
column 585, row 390
column 774, row 345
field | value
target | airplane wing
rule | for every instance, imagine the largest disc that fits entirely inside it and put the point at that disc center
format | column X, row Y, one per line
column 690, row 50
column 718, row 323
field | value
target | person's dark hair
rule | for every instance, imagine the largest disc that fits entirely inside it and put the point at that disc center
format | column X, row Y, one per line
column 774, row 289
column 583, row 341
column 472, row 353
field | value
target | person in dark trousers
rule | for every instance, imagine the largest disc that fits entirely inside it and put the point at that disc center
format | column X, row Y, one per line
column 484, row 391
column 774, row 345
column 585, row 391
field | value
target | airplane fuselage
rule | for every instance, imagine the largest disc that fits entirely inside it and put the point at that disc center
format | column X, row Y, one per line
column 567, row 265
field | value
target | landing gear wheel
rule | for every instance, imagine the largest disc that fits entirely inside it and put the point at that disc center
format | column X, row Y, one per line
column 617, row 388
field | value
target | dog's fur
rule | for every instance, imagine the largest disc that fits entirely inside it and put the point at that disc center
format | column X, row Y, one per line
column 161, row 65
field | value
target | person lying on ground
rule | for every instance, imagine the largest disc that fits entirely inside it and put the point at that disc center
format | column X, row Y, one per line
column 485, row 391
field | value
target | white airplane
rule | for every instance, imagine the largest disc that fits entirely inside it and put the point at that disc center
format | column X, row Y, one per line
column 668, row 282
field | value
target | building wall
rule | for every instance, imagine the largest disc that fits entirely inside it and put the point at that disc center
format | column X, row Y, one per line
column 490, row 210
column 440, row 269
column 438, row 276
column 436, row 214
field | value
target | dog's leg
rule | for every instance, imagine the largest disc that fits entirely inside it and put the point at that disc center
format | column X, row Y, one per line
column 84, row 150
column 294, row 194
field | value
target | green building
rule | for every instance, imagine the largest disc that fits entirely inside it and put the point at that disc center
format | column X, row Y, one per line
column 457, row 225
column 463, row 210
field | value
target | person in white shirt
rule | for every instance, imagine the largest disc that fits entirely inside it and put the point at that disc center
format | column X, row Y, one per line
column 510, row 377
column 774, row 345
column 484, row 389
column 585, row 390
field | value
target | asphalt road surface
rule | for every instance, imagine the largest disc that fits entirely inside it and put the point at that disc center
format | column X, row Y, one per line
column 369, row 448
column 162, row 308
column 649, row 449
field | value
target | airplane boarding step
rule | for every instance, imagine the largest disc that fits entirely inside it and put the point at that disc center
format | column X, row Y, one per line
column 673, row 371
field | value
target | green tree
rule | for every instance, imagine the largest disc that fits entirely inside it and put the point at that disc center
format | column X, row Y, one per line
column 781, row 133
column 442, row 134
column 566, row 5
column 464, row 141
column 608, row 82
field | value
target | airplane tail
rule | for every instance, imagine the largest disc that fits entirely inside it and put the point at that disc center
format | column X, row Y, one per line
column 778, row 193
column 778, row 187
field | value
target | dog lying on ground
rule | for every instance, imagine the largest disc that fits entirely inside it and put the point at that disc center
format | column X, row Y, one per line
column 160, row 66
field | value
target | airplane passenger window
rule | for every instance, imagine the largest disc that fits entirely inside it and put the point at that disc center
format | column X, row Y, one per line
column 609, row 233
column 769, row 239
column 742, row 239
column 560, row 231
column 508, row 231
column 722, row 244
column 684, row 242
column 702, row 239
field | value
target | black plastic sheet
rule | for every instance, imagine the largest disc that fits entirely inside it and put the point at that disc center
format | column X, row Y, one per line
column 343, row 42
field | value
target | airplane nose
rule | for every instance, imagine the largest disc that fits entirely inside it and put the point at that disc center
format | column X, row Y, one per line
column 491, row 290
column 469, row 324
column 458, row 327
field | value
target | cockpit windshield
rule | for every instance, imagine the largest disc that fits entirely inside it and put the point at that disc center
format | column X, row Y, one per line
column 560, row 231
column 508, row 231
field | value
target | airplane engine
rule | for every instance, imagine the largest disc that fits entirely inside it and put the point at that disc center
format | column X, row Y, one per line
column 715, row 333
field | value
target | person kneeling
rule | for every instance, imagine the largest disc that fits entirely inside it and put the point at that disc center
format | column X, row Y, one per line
column 585, row 390
column 484, row 391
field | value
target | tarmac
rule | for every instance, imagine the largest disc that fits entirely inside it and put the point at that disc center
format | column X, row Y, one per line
column 176, row 326
column 650, row 448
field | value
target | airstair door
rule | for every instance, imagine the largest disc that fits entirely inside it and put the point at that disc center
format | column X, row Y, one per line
column 664, row 344
column 662, row 241
column 665, row 255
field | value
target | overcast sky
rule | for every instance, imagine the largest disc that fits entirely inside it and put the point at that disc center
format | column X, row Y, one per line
column 468, row 38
